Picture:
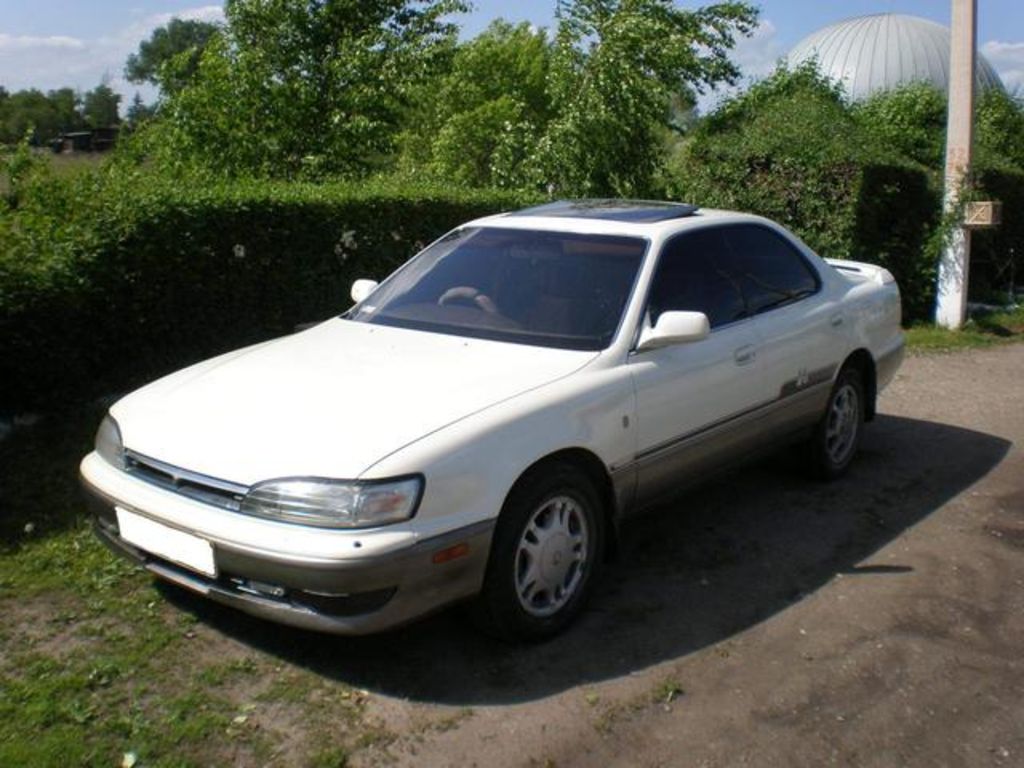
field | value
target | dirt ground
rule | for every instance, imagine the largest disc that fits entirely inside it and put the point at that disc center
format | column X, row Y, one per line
column 763, row 620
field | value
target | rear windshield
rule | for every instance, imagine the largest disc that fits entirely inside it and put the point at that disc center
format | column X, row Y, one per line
column 550, row 289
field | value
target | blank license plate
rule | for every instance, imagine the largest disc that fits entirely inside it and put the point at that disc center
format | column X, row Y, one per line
column 166, row 542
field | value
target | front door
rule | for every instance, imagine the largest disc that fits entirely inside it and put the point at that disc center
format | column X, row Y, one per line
column 693, row 400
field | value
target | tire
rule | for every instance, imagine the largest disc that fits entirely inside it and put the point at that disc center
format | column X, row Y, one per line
column 837, row 436
column 544, row 555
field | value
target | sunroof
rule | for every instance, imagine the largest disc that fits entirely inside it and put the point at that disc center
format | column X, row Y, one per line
column 642, row 211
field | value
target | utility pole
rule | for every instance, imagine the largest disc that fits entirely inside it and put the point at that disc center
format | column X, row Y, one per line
column 951, row 307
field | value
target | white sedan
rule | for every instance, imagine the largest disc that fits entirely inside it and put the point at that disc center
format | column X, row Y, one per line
column 479, row 425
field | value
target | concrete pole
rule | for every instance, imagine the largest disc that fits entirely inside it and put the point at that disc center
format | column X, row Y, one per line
column 951, row 307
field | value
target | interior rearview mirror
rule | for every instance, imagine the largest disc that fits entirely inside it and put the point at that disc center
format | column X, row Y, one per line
column 361, row 289
column 674, row 328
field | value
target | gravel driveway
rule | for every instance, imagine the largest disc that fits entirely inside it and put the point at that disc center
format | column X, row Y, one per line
column 764, row 620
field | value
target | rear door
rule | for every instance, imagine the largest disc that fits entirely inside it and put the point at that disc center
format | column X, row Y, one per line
column 801, row 330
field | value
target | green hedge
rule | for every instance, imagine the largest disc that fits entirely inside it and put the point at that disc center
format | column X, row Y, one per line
column 107, row 283
column 896, row 225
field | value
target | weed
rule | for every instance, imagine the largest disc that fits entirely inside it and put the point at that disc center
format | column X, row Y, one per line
column 331, row 757
column 667, row 691
column 452, row 721
column 228, row 671
column 661, row 695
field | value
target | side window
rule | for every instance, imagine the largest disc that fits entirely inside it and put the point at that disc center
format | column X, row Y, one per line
column 694, row 275
column 771, row 271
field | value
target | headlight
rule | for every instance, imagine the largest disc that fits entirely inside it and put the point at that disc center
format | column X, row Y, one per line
column 108, row 442
column 335, row 503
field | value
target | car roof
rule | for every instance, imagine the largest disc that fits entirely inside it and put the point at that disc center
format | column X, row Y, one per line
column 637, row 218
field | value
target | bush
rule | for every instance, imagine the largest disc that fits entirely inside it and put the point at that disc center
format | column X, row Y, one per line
column 106, row 282
column 910, row 120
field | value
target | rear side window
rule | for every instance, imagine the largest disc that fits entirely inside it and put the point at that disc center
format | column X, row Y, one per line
column 770, row 270
column 695, row 274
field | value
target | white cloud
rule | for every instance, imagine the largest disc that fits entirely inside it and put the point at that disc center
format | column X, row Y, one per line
column 1008, row 61
column 16, row 43
column 758, row 54
column 756, row 57
column 57, row 61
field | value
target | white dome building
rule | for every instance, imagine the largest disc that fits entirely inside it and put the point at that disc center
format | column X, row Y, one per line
column 883, row 51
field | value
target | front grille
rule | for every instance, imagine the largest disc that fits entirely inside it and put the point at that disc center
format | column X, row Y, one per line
column 208, row 490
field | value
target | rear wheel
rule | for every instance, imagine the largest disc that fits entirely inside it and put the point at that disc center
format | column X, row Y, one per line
column 837, row 436
column 544, row 555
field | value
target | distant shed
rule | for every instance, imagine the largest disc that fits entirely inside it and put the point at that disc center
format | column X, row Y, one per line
column 96, row 140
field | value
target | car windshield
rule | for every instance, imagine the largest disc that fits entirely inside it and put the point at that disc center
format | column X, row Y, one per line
column 551, row 289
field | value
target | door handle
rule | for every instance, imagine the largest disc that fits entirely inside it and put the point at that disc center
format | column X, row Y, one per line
column 836, row 321
column 745, row 354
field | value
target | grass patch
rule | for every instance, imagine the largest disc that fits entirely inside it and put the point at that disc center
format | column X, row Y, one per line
column 68, row 164
column 61, row 166
column 106, row 697
column 95, row 663
column 982, row 330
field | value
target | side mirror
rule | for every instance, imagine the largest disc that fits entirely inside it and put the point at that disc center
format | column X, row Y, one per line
column 361, row 289
column 674, row 328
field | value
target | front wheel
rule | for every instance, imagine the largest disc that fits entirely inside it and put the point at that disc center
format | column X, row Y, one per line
column 545, row 552
column 837, row 436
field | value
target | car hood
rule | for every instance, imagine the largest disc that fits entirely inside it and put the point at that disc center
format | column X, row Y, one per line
column 328, row 402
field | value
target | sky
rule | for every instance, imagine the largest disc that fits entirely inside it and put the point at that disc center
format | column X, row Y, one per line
column 80, row 43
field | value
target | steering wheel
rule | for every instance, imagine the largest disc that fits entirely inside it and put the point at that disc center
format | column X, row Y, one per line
column 467, row 293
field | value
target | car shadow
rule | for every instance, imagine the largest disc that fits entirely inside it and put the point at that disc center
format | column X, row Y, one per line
column 689, row 575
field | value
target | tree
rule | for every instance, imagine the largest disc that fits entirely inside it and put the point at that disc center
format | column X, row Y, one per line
column 29, row 113
column 67, row 106
column 170, row 57
column 616, row 66
column 100, row 107
column 911, row 122
column 40, row 116
column 1000, row 129
column 312, row 87
column 479, row 122
column 139, row 112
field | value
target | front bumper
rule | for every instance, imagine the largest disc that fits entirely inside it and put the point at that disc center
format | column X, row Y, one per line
column 388, row 586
